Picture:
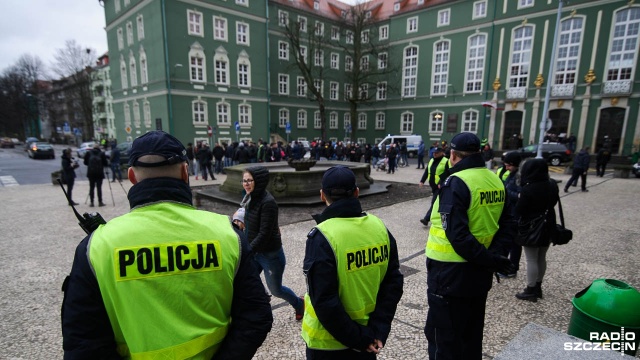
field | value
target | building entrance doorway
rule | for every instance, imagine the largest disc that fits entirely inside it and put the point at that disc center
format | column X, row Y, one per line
column 611, row 122
column 560, row 119
column 512, row 129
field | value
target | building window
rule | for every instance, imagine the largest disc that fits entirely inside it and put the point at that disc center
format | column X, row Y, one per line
column 136, row 114
column 123, row 73
column 318, row 58
column 349, row 37
column 335, row 33
column 223, row 114
column 382, row 60
column 117, row 5
column 444, row 17
column 199, row 112
column 133, row 70
column 319, row 29
column 475, row 62
column 127, row 115
column 283, row 84
column 127, row 2
column 410, row 71
column 412, row 25
column 129, row 33
column 196, row 64
column 364, row 63
column 303, row 53
column 334, row 91
column 242, row 2
column 283, row 18
column 283, row 50
column 406, row 123
column 120, row 39
column 219, row 28
column 283, row 118
column 380, row 121
column 364, row 36
column 362, row 121
column 568, row 51
column 520, row 56
column 624, row 44
column 346, row 123
column 221, row 66
column 335, row 61
column 244, row 115
column 363, row 94
column 317, row 120
column 301, row 87
column 348, row 91
column 302, row 23
column 140, row 24
column 146, row 109
column 525, row 4
column 470, row 121
column 382, row 91
column 144, row 75
column 479, row 9
column 333, row 120
column 348, row 63
column 319, row 86
column 244, row 70
column 242, row 33
column 302, row 119
column 195, row 23
column 435, row 122
column 383, row 32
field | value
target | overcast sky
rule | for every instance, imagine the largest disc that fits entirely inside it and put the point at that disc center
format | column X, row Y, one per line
column 39, row 27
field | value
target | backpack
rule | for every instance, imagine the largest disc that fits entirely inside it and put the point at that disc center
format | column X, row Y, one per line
column 95, row 164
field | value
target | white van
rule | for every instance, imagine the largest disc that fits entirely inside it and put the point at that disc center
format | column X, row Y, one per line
column 413, row 141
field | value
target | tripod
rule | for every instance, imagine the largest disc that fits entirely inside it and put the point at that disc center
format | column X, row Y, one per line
column 108, row 182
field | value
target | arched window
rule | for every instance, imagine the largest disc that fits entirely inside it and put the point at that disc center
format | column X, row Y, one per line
column 410, row 71
column 123, row 73
column 132, row 69
column 144, row 75
column 406, row 123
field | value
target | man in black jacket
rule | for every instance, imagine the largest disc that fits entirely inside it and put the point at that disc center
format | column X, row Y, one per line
column 95, row 160
column 334, row 281
column 580, row 168
column 162, row 218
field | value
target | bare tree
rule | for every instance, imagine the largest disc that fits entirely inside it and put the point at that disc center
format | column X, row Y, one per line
column 74, row 62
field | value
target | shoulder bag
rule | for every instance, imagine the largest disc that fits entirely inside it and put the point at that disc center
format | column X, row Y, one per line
column 561, row 235
column 533, row 231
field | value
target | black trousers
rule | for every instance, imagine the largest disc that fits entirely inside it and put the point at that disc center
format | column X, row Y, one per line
column 454, row 327
column 95, row 183
column 434, row 195
column 347, row 354
column 70, row 181
column 600, row 168
column 577, row 173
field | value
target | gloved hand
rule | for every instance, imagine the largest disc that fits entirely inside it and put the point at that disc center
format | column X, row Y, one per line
column 503, row 265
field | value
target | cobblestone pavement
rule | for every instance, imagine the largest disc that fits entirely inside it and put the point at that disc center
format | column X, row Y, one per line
column 39, row 235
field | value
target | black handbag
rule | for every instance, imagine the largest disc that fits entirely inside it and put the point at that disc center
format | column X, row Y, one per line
column 534, row 231
column 561, row 235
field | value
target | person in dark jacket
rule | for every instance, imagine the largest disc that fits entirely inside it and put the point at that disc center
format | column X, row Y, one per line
column 602, row 158
column 69, row 173
column 487, row 156
column 242, row 154
column 539, row 194
column 161, row 208
column 354, row 339
column 466, row 240
column 218, row 154
column 115, row 164
column 96, row 175
column 191, row 157
column 421, row 155
column 433, row 175
column 392, row 154
column 512, row 186
column 263, row 234
column 205, row 158
column 580, row 168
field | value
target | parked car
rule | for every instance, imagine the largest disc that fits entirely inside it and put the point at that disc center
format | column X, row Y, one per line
column 6, row 142
column 16, row 141
column 554, row 153
column 29, row 141
column 42, row 150
column 124, row 148
column 84, row 147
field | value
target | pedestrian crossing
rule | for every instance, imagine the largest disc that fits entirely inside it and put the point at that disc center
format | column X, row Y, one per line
column 8, row 180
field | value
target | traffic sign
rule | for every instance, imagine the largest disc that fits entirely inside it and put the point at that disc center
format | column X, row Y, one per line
column 209, row 130
column 237, row 126
column 128, row 129
column 288, row 127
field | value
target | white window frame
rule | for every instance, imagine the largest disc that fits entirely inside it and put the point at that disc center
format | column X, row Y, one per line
column 199, row 113
column 381, row 93
column 412, row 25
column 223, row 113
column 199, row 67
column 301, row 86
column 440, row 70
column 364, row 36
column 335, row 33
column 127, row 114
column 346, row 122
column 318, row 58
column 303, row 52
column 243, row 66
column 283, row 18
column 568, row 51
column 410, row 72
column 523, row 4
column 348, row 91
column 436, row 125
column 302, row 23
column 383, row 32
column 479, row 9
column 116, row 3
column 383, row 60
column 283, row 84
column 364, row 63
column 521, row 78
column 194, row 23
column 146, row 113
column 120, row 38
column 380, row 121
column 349, row 37
column 242, row 33
column 123, row 73
column 363, row 92
column 333, row 120
column 319, row 28
column 317, row 120
column 242, row 3
column 476, row 59
column 622, row 59
column 220, row 32
column 348, row 63
column 144, row 71
column 362, row 121
column 302, row 119
column 129, row 33
column 221, row 67
column 283, row 117
column 244, row 115
column 319, row 85
column 444, row 17
column 470, row 121
column 283, row 50
column 407, row 120
column 140, row 27
column 133, row 70
column 334, row 90
column 335, row 61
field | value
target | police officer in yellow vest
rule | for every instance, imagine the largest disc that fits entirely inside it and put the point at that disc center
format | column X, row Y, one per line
column 353, row 276
column 433, row 175
column 470, row 224
column 165, row 280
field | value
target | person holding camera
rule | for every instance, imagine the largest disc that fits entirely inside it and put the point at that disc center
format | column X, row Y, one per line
column 69, row 164
column 165, row 280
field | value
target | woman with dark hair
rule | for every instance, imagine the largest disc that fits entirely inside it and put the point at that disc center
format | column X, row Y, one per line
column 538, row 196
column 263, row 233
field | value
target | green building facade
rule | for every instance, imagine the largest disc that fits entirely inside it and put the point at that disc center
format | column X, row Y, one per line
column 459, row 65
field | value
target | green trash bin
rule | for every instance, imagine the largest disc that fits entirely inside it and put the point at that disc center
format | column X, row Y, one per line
column 607, row 309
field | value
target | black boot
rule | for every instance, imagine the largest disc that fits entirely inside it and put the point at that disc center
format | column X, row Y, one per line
column 538, row 290
column 528, row 294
